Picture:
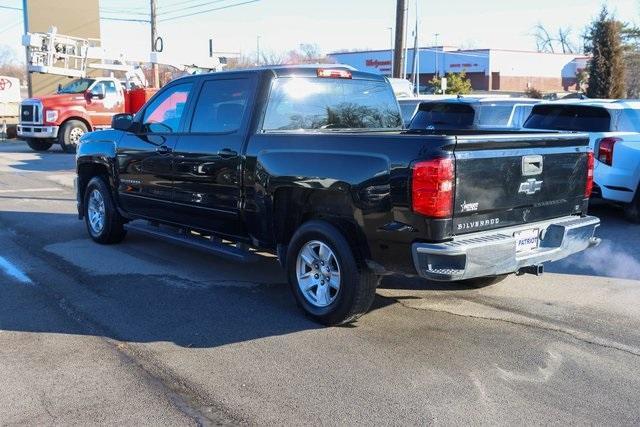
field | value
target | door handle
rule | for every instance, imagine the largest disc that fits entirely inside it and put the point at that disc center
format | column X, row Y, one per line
column 163, row 149
column 227, row 153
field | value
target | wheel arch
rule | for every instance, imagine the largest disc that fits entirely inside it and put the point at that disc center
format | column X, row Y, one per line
column 84, row 120
column 294, row 206
column 86, row 170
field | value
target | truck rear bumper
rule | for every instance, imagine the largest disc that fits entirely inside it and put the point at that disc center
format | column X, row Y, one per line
column 494, row 252
column 37, row 131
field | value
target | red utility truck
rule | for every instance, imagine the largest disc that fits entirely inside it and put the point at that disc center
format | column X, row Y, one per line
column 82, row 105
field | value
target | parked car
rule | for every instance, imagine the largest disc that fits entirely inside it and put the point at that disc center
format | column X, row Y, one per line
column 409, row 106
column 473, row 113
column 402, row 88
column 82, row 105
column 614, row 133
column 312, row 165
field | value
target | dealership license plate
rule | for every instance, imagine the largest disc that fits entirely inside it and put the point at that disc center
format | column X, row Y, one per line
column 527, row 240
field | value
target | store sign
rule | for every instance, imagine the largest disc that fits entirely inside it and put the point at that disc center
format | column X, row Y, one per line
column 463, row 66
column 375, row 63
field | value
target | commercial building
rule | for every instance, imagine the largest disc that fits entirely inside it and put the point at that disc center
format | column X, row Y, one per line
column 488, row 69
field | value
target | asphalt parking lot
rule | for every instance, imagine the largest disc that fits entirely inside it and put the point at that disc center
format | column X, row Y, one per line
column 149, row 333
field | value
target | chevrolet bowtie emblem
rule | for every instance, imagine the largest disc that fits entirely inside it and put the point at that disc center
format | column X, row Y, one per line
column 530, row 186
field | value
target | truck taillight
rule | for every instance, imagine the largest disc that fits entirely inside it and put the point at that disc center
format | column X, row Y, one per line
column 334, row 74
column 605, row 150
column 590, row 165
column 432, row 188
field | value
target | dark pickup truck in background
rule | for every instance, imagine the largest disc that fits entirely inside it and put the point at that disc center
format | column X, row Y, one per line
column 314, row 166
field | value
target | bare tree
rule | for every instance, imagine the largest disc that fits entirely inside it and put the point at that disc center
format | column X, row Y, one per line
column 10, row 65
column 546, row 42
column 564, row 38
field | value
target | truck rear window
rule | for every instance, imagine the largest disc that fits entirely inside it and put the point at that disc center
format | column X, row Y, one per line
column 301, row 103
column 582, row 118
column 445, row 116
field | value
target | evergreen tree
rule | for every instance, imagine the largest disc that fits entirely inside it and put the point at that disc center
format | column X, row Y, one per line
column 606, row 67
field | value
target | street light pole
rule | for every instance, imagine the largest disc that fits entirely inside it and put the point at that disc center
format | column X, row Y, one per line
column 391, row 47
column 258, row 50
column 436, row 55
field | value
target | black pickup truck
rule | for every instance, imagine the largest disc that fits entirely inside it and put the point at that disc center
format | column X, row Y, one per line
column 313, row 165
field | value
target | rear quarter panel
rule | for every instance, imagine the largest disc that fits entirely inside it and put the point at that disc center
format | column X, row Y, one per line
column 362, row 179
column 620, row 181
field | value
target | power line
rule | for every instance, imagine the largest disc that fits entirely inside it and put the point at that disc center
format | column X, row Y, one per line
column 195, row 6
column 207, row 11
column 108, row 18
column 124, row 12
column 177, row 4
column 10, row 8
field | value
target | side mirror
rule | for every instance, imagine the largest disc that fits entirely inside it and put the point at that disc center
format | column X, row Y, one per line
column 99, row 92
column 123, row 122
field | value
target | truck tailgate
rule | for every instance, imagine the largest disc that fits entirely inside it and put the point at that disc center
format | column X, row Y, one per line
column 505, row 180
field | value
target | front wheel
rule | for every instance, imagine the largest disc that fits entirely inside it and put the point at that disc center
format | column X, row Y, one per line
column 104, row 223
column 70, row 134
column 326, row 279
column 37, row 144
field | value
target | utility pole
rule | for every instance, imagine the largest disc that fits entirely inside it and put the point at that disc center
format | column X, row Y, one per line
column 154, row 36
column 25, row 22
column 398, row 54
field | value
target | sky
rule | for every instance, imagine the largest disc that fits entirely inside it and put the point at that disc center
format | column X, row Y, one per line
column 331, row 24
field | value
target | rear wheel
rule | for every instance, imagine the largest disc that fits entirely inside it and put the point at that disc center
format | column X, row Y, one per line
column 104, row 223
column 70, row 134
column 328, row 282
column 37, row 144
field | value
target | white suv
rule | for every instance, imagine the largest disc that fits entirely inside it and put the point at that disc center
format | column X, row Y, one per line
column 614, row 130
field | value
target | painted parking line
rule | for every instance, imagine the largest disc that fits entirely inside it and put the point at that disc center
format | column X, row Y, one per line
column 14, row 271
column 30, row 190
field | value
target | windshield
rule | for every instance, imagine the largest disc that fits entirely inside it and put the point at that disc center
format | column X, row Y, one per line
column 443, row 116
column 580, row 118
column 301, row 103
column 77, row 86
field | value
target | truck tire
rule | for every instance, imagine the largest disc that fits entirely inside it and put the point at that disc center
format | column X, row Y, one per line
column 37, row 144
column 104, row 223
column 632, row 210
column 327, row 280
column 69, row 135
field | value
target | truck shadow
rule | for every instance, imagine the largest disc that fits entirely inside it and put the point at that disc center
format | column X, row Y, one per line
column 129, row 292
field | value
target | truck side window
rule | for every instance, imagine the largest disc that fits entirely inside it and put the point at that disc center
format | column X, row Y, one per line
column 220, row 106
column 164, row 113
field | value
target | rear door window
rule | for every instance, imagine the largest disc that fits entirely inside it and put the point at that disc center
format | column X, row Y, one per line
column 581, row 118
column 220, row 106
column 444, row 115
